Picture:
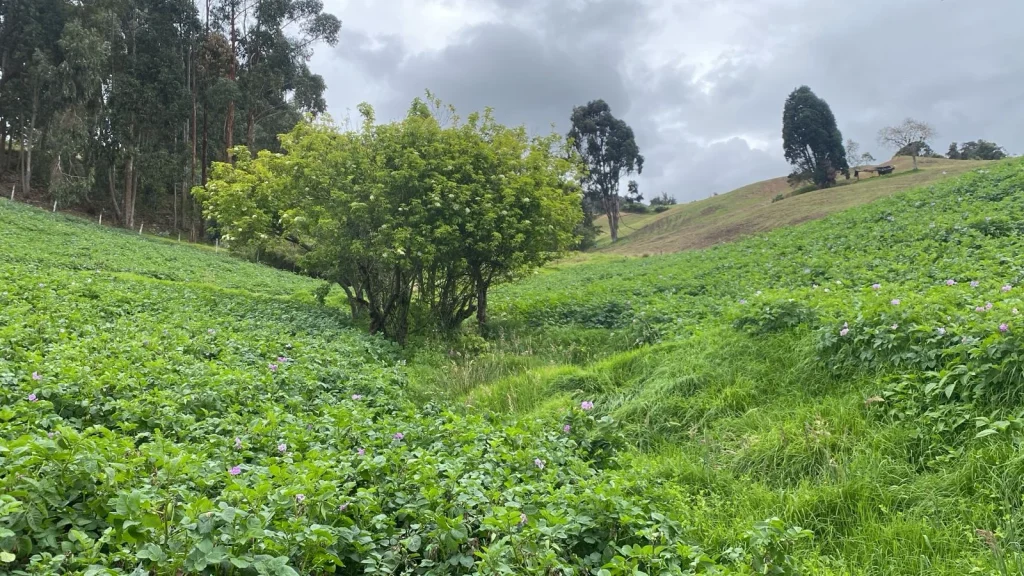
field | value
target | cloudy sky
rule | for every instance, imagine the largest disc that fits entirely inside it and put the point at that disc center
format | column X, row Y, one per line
column 702, row 82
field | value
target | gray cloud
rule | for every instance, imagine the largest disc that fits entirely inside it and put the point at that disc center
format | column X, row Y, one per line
column 701, row 82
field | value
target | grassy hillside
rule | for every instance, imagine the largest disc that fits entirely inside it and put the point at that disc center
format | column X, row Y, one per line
column 841, row 397
column 859, row 375
column 169, row 410
column 750, row 210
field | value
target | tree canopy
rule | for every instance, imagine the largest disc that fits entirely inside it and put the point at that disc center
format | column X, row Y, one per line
column 609, row 150
column 413, row 208
column 910, row 138
column 811, row 139
column 118, row 106
column 976, row 150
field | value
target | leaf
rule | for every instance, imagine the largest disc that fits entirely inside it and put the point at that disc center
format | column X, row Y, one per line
column 7, row 557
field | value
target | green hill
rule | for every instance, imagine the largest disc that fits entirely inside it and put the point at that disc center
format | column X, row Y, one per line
column 751, row 210
column 171, row 410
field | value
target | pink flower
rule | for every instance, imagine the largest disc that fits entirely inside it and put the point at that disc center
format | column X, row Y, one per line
column 566, row 428
column 895, row 302
column 988, row 305
column 587, row 405
column 300, row 498
column 1007, row 288
column 37, row 376
column 282, row 447
column 235, row 470
column 950, row 282
column 357, row 397
column 538, row 463
column 399, row 436
column 844, row 331
column 343, row 507
column 1003, row 327
column 32, row 398
column 282, row 359
column 361, row 452
column 979, row 309
column 273, row 367
column 876, row 286
column 974, row 283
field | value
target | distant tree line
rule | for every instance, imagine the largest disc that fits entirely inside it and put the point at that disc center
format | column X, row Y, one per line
column 814, row 145
column 121, row 105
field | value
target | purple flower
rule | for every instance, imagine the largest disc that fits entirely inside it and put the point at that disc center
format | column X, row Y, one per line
column 895, row 302
column 950, row 282
column 282, row 447
column 1003, row 327
column 37, row 376
column 238, row 443
column 538, row 463
column 282, row 359
column 361, row 451
column 357, row 396
column 273, row 367
column 587, row 405
column 876, row 286
column 235, row 470
column 32, row 398
column 988, row 305
column 399, row 436
column 522, row 518
column 844, row 331
column 979, row 309
column 300, row 498
column 343, row 507
column 974, row 283
column 1007, row 288
column 566, row 428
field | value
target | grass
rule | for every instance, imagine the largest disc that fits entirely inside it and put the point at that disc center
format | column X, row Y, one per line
column 787, row 418
column 762, row 378
column 750, row 210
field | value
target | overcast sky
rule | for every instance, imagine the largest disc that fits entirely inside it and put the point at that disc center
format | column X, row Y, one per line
column 702, row 82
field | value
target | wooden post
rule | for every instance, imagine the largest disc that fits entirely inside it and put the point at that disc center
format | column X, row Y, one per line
column 140, row 228
column 54, row 205
column 12, row 192
column 101, row 218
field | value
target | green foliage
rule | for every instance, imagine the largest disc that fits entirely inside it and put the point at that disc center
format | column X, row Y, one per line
column 409, row 207
column 811, row 139
column 663, row 200
column 980, row 150
column 156, row 417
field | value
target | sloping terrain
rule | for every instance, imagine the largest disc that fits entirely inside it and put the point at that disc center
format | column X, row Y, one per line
column 859, row 375
column 750, row 210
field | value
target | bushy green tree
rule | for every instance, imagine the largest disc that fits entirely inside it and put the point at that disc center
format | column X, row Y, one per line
column 811, row 139
column 981, row 150
column 609, row 150
column 410, row 208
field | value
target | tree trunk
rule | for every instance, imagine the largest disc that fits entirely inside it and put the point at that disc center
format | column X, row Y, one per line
column 611, row 208
column 3, row 146
column 111, row 182
column 128, row 201
column 250, row 132
column 232, row 75
column 914, row 157
column 481, row 302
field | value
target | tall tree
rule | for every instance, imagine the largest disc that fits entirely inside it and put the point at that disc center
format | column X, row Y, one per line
column 910, row 137
column 852, row 152
column 811, row 139
column 609, row 150
column 953, row 153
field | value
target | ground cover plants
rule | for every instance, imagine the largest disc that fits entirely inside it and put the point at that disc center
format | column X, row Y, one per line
column 173, row 411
